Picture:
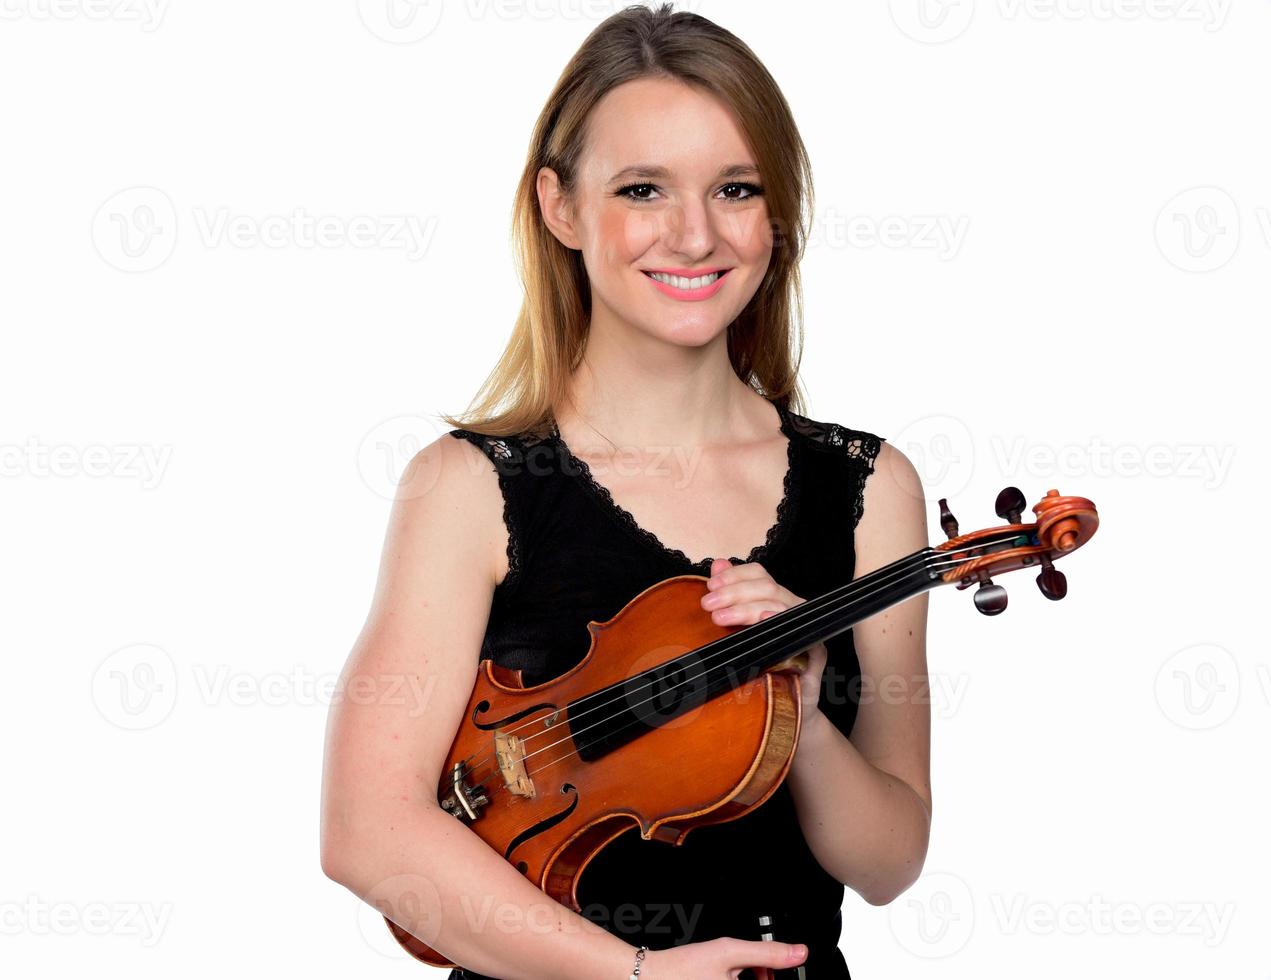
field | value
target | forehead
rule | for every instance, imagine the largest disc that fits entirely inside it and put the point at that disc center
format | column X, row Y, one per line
column 662, row 122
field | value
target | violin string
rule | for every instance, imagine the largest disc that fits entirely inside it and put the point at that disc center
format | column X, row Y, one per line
column 503, row 788
column 910, row 562
column 935, row 560
column 758, row 647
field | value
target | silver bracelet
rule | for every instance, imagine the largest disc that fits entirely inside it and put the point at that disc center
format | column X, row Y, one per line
column 635, row 974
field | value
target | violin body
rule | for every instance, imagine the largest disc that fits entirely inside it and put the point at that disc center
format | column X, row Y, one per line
column 554, row 811
column 548, row 775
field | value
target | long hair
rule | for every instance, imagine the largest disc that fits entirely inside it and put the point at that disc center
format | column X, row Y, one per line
column 549, row 337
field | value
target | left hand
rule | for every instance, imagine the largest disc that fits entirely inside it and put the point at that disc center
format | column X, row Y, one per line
column 744, row 594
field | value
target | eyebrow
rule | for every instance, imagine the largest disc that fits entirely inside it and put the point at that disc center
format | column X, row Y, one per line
column 650, row 171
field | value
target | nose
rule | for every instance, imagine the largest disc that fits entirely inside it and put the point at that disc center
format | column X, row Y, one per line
column 688, row 229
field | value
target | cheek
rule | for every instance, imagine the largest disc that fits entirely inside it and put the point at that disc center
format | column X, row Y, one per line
column 623, row 235
column 749, row 232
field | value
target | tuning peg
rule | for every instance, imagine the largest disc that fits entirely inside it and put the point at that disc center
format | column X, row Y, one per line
column 1010, row 504
column 947, row 521
column 1052, row 582
column 990, row 599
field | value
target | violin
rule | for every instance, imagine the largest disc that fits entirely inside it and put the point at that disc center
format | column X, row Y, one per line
column 548, row 775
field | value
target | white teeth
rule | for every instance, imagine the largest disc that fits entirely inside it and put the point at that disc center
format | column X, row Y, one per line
column 679, row 282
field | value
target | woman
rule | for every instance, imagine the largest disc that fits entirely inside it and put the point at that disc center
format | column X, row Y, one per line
column 644, row 413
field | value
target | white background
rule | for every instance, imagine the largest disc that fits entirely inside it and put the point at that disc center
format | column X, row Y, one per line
column 1043, row 236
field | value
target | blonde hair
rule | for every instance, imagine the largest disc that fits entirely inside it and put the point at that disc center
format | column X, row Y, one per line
column 549, row 337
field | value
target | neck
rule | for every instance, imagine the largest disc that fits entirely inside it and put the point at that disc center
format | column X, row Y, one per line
column 633, row 389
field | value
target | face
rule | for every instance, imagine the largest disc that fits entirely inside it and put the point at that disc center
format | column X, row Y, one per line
column 666, row 185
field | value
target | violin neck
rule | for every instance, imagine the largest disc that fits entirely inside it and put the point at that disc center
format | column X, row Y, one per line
column 669, row 690
column 760, row 646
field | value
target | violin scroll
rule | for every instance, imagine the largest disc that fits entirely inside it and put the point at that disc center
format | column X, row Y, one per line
column 1063, row 525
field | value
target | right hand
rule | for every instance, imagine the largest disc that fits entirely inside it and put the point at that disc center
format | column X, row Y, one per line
column 720, row 959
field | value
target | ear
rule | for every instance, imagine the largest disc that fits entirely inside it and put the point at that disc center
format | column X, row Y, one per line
column 556, row 208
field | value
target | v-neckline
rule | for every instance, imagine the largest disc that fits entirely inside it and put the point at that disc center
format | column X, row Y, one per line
column 776, row 534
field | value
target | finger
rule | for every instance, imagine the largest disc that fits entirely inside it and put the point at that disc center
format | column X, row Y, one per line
column 749, row 586
column 765, row 591
column 722, row 571
column 745, row 613
column 769, row 953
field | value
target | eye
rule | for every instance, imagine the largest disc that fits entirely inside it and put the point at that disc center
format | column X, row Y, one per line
column 752, row 190
column 626, row 191
column 629, row 191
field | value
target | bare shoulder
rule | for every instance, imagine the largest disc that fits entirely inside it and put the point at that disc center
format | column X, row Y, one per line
column 893, row 521
column 448, row 499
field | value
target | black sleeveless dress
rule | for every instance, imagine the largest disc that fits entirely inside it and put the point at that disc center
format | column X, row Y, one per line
column 575, row 555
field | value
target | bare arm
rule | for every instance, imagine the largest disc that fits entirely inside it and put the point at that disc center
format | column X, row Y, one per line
column 864, row 803
column 404, row 689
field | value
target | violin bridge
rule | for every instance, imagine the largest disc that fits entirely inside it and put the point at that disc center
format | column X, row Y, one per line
column 510, row 752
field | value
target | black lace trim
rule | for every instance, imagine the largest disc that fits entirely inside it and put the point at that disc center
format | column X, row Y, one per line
column 776, row 535
column 501, row 451
column 855, row 444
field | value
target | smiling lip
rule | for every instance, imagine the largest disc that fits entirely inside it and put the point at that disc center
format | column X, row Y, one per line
column 688, row 273
column 703, row 292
